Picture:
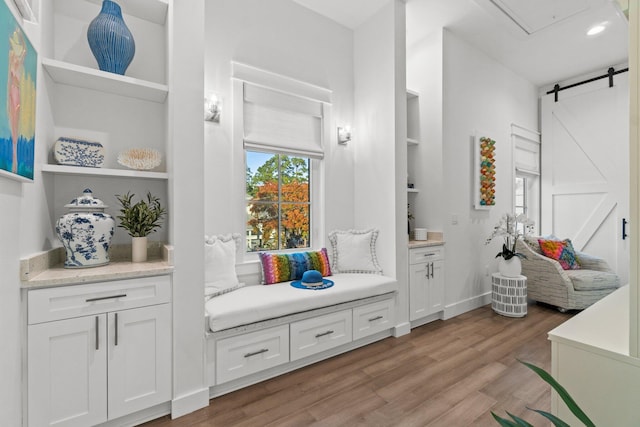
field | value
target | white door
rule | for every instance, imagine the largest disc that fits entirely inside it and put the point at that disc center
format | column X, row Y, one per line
column 67, row 368
column 139, row 359
column 585, row 168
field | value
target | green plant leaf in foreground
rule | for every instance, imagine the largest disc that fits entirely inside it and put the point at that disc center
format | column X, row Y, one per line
column 562, row 392
column 557, row 422
column 517, row 421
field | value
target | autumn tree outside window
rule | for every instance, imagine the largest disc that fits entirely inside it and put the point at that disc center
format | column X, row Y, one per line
column 278, row 201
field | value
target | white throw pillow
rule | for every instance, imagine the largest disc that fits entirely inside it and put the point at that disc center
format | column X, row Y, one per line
column 220, row 264
column 354, row 251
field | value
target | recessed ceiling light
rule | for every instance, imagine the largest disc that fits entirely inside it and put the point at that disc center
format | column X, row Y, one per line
column 597, row 29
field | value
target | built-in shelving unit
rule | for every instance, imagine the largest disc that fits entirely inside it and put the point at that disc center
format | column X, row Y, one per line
column 125, row 173
column 413, row 137
column 89, row 78
column 150, row 10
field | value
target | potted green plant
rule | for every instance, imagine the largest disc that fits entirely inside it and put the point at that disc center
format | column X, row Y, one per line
column 140, row 219
column 509, row 264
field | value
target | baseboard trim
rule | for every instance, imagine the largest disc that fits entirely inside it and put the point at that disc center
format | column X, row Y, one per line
column 402, row 329
column 188, row 403
column 460, row 307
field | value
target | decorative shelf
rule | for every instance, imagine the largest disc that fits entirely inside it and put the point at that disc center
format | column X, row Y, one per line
column 149, row 10
column 413, row 190
column 89, row 78
column 124, row 173
column 412, row 141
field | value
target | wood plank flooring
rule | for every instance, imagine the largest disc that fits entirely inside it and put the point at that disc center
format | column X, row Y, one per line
column 447, row 373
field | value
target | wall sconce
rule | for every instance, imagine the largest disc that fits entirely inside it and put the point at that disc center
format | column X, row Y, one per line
column 344, row 135
column 212, row 108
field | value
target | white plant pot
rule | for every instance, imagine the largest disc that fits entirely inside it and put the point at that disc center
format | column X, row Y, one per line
column 138, row 249
column 511, row 267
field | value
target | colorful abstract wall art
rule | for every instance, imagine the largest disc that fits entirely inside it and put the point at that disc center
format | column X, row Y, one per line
column 18, row 66
column 485, row 162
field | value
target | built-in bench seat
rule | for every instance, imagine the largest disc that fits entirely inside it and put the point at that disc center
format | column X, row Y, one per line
column 252, row 304
column 257, row 332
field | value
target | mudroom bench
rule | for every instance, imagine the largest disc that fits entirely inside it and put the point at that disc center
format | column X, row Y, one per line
column 259, row 332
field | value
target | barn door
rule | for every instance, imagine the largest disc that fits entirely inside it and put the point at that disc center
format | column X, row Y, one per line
column 585, row 168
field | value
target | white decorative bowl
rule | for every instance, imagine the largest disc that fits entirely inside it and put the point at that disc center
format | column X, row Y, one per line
column 140, row 158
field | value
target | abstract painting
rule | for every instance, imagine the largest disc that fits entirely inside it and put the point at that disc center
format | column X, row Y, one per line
column 485, row 172
column 18, row 66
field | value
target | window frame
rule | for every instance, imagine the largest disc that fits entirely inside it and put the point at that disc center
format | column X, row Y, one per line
column 312, row 205
column 241, row 74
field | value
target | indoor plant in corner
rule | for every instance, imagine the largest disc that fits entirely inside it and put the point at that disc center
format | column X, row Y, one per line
column 509, row 263
column 140, row 220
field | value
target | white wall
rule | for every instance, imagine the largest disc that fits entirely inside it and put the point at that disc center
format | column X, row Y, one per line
column 479, row 94
column 186, row 226
column 375, row 131
column 424, row 75
column 285, row 38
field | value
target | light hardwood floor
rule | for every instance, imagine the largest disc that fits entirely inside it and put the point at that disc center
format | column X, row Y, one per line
column 446, row 373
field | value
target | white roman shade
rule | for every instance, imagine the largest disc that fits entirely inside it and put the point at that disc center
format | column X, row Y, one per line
column 526, row 150
column 278, row 122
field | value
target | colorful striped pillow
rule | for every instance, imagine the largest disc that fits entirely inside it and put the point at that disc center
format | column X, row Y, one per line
column 284, row 267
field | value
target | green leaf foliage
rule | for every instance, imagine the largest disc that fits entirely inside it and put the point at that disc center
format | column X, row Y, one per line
column 562, row 392
column 564, row 395
column 517, row 421
column 557, row 422
column 142, row 218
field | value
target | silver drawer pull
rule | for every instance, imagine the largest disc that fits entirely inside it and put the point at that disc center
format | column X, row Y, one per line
column 428, row 255
column 255, row 353
column 373, row 319
column 324, row 334
column 101, row 298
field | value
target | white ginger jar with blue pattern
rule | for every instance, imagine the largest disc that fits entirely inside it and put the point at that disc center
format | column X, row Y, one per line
column 86, row 232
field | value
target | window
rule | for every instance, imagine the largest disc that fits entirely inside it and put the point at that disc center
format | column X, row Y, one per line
column 280, row 128
column 521, row 195
column 526, row 167
column 278, row 202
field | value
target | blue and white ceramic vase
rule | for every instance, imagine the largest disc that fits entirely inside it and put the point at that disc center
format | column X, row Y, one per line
column 110, row 40
column 86, row 232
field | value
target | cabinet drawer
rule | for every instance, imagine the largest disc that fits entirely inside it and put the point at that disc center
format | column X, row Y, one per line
column 320, row 333
column 427, row 254
column 65, row 302
column 250, row 353
column 373, row 318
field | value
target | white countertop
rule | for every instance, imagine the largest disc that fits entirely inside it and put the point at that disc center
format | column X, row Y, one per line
column 424, row 243
column 602, row 327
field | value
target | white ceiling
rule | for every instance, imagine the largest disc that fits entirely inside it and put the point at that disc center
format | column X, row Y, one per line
column 548, row 43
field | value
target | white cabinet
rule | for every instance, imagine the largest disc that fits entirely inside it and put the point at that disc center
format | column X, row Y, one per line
column 373, row 318
column 426, row 281
column 320, row 333
column 246, row 354
column 113, row 360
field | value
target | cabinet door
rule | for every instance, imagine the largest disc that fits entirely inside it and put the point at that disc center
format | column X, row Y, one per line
column 436, row 288
column 139, row 359
column 67, row 372
column 418, row 290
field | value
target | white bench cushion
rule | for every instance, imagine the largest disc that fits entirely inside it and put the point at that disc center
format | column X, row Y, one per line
column 256, row 303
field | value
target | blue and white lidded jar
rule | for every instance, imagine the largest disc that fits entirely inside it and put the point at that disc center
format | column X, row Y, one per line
column 86, row 232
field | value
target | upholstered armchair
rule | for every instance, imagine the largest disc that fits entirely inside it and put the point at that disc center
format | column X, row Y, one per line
column 547, row 282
